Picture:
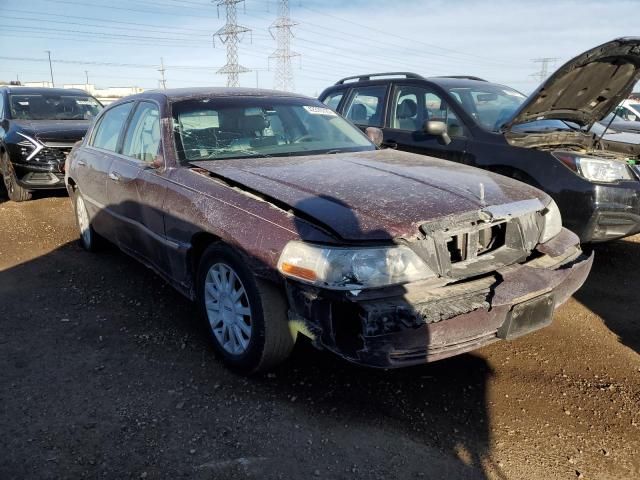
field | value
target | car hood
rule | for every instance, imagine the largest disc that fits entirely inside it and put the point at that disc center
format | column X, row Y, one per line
column 64, row 131
column 373, row 195
column 586, row 88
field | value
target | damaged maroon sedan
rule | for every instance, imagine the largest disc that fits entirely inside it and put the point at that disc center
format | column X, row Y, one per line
column 280, row 218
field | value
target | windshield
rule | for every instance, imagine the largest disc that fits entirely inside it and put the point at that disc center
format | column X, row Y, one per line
column 42, row 106
column 635, row 106
column 490, row 105
column 208, row 130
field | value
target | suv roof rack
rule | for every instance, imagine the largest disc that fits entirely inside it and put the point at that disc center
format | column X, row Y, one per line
column 463, row 77
column 364, row 78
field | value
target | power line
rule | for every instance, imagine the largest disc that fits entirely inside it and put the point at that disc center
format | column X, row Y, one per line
column 284, row 74
column 230, row 35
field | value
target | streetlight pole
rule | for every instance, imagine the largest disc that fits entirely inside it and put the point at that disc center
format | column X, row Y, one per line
column 86, row 72
column 50, row 68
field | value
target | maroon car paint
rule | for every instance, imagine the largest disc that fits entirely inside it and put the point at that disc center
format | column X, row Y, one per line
column 166, row 214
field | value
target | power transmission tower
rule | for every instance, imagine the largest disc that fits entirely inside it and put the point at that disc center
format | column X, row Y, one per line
column 231, row 35
column 163, row 80
column 283, row 79
column 544, row 67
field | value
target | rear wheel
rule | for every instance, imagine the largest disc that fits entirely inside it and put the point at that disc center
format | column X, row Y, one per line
column 89, row 239
column 15, row 192
column 246, row 316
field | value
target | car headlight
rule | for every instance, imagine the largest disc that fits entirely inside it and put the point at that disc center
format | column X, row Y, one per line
column 352, row 268
column 596, row 169
column 29, row 147
column 552, row 222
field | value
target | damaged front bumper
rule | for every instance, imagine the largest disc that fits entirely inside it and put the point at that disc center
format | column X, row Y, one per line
column 418, row 323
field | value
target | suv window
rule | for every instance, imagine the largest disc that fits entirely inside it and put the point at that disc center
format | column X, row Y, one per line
column 626, row 114
column 108, row 130
column 413, row 106
column 142, row 139
column 366, row 106
column 333, row 100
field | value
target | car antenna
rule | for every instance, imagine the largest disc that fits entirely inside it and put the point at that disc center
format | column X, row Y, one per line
column 615, row 114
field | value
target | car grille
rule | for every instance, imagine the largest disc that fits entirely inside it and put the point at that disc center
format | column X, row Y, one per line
column 470, row 246
column 52, row 155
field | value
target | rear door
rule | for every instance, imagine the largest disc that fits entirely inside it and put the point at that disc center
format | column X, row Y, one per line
column 412, row 106
column 92, row 165
column 136, row 186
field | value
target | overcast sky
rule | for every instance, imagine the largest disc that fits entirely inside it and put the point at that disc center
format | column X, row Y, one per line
column 495, row 39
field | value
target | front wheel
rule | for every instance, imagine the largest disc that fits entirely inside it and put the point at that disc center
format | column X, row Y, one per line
column 247, row 317
column 15, row 192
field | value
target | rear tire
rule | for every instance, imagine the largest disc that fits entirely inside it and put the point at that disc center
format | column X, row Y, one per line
column 88, row 239
column 246, row 316
column 15, row 192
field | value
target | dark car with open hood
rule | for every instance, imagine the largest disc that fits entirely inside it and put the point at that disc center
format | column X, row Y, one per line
column 280, row 218
column 38, row 127
column 544, row 139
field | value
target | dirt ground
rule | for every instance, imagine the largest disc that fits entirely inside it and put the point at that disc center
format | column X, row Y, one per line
column 105, row 372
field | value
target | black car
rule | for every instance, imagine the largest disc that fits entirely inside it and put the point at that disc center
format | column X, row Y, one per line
column 38, row 127
column 544, row 140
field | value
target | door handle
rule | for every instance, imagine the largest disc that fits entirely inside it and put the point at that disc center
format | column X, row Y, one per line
column 390, row 144
column 81, row 163
column 115, row 176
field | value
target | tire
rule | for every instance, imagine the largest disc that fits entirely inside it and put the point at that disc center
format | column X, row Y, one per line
column 15, row 192
column 260, row 310
column 88, row 238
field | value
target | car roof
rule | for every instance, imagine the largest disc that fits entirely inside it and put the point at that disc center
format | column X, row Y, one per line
column 177, row 94
column 445, row 81
column 31, row 90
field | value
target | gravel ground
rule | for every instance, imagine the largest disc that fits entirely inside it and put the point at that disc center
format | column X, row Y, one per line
column 106, row 372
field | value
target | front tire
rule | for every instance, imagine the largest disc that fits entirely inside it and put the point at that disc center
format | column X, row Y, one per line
column 15, row 192
column 246, row 316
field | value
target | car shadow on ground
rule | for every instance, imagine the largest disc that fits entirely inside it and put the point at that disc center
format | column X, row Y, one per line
column 107, row 370
column 616, row 266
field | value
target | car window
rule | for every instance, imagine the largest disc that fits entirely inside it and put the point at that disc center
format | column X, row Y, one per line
column 627, row 114
column 49, row 106
column 333, row 100
column 490, row 105
column 214, row 130
column 413, row 106
column 108, row 130
column 142, row 139
column 366, row 106
column 2, row 115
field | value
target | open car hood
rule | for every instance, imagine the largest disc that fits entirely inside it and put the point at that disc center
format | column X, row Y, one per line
column 586, row 88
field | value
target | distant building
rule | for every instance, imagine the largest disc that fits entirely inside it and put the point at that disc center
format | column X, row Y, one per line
column 105, row 95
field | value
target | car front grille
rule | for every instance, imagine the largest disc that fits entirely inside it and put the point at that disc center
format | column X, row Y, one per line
column 472, row 246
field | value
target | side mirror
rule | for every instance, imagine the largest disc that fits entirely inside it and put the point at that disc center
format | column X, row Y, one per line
column 157, row 162
column 438, row 129
column 375, row 135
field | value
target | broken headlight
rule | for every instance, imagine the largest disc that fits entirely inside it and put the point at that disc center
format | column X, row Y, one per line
column 352, row 268
column 596, row 169
column 552, row 222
